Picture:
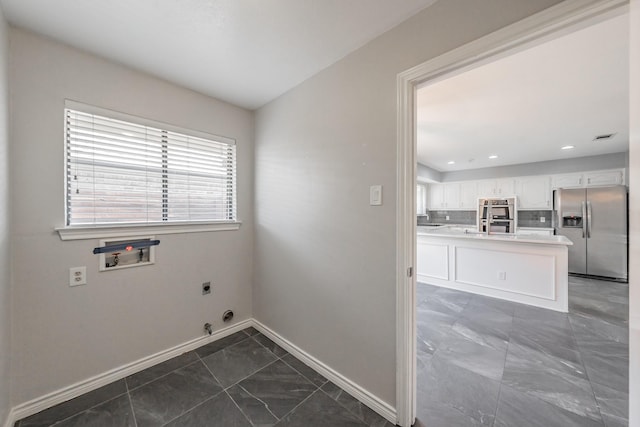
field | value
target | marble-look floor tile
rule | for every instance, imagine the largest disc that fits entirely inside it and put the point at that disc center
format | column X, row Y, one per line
column 484, row 302
column 279, row 386
column 320, row 410
column 215, row 346
column 303, row 369
column 611, row 312
column 447, row 301
column 74, row 406
column 432, row 327
column 255, row 409
column 612, row 402
column 219, row 411
column 114, row 413
column 529, row 312
column 238, row 361
column 270, row 345
column 558, row 387
column 485, row 326
column 170, row 396
column 562, row 359
column 436, row 414
column 483, row 360
column 156, row 371
column 612, row 421
column 423, row 290
column 474, row 395
column 607, row 363
column 522, row 410
column 251, row 331
column 587, row 328
column 359, row 409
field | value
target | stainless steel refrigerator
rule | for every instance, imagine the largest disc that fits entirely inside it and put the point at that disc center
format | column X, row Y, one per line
column 595, row 220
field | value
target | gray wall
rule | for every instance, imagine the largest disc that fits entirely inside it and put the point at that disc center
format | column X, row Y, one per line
column 427, row 174
column 5, row 245
column 607, row 161
column 62, row 334
column 324, row 258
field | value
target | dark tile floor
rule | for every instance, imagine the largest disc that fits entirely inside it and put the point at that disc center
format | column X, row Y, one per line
column 242, row 380
column 488, row 362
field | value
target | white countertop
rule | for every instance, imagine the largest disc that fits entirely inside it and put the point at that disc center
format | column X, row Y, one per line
column 460, row 233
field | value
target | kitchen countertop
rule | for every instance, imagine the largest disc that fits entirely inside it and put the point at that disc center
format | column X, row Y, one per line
column 460, row 232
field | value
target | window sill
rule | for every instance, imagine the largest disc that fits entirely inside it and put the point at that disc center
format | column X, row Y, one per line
column 102, row 232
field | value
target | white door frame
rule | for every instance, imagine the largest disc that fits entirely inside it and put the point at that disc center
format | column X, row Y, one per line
column 536, row 29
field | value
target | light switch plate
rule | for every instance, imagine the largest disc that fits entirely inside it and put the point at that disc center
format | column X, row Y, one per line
column 375, row 195
column 542, row 219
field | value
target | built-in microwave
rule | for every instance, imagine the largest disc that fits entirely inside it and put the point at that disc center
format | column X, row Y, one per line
column 497, row 215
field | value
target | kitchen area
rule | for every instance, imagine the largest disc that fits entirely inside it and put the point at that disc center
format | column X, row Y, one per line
column 518, row 238
column 522, row 300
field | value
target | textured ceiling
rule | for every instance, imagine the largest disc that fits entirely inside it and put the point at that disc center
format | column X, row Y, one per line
column 246, row 52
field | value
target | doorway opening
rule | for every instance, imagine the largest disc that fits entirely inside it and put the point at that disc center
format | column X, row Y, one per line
column 557, row 21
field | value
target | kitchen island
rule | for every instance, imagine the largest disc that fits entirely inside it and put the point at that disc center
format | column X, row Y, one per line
column 529, row 269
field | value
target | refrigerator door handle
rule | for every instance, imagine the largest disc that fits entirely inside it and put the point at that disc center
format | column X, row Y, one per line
column 584, row 216
column 588, row 219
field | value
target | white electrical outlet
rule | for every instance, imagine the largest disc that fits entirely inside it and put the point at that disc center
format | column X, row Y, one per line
column 502, row 275
column 542, row 219
column 77, row 276
column 446, row 218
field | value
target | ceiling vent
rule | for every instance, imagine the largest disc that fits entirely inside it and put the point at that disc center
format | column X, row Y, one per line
column 604, row 137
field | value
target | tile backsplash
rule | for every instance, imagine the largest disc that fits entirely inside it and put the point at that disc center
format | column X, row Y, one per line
column 532, row 219
column 525, row 218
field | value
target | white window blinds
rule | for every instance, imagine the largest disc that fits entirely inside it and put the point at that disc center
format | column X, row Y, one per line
column 126, row 173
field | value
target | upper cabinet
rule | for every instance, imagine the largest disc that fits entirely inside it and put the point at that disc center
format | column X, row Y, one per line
column 496, row 187
column 444, row 196
column 588, row 179
column 452, row 196
column 534, row 192
column 468, row 195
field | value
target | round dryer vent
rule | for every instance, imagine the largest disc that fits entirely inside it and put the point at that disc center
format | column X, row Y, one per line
column 227, row 316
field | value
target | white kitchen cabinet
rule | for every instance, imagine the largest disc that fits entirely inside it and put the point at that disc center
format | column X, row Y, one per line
column 444, row 196
column 534, row 192
column 436, row 196
column 468, row 195
column 612, row 177
column 496, row 187
column 567, row 180
column 588, row 179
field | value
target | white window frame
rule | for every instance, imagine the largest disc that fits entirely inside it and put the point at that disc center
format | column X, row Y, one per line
column 78, row 232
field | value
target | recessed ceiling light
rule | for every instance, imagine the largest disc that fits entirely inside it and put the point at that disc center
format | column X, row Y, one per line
column 451, row 162
column 493, row 156
column 568, row 147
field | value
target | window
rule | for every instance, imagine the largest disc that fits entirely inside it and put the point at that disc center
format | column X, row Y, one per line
column 119, row 172
column 421, row 199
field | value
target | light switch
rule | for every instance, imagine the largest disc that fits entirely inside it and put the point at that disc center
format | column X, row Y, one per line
column 542, row 219
column 375, row 195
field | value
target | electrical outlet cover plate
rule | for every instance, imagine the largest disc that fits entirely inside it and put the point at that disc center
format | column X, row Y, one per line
column 77, row 276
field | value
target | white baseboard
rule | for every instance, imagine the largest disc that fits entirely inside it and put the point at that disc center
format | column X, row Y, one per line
column 49, row 400
column 11, row 419
column 375, row 403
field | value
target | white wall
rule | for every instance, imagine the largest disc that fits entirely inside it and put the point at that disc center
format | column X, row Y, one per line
column 325, row 259
column 5, row 245
column 63, row 334
column 634, row 219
